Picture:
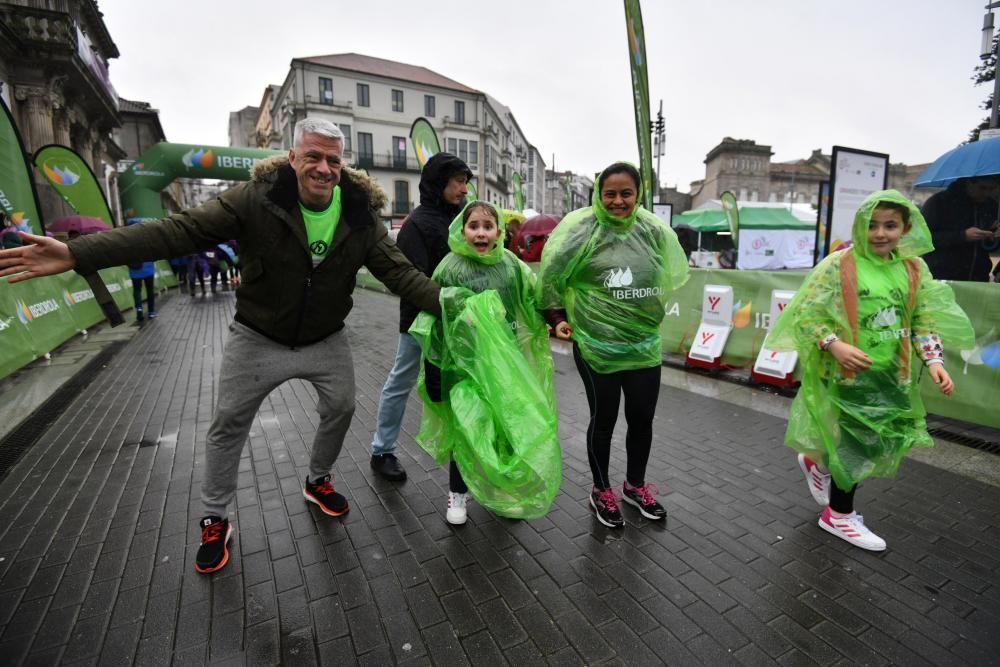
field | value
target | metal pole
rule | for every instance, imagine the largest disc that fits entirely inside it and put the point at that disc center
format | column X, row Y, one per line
column 995, row 111
column 659, row 148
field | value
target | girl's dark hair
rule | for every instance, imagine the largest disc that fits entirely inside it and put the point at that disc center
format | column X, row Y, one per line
column 480, row 204
column 619, row 168
column 893, row 206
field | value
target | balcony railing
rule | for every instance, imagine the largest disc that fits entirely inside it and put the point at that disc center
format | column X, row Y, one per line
column 386, row 160
column 467, row 123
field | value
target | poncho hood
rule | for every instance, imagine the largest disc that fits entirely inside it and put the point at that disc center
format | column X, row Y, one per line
column 913, row 243
column 461, row 247
column 601, row 213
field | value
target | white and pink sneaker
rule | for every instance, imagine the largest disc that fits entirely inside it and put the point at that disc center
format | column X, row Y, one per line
column 817, row 480
column 851, row 528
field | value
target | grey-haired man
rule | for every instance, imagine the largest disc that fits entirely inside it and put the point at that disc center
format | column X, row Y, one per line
column 305, row 226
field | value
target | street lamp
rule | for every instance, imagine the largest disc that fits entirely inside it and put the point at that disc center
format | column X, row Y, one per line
column 986, row 50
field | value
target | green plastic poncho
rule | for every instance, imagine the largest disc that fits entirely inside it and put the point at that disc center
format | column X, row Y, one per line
column 497, row 417
column 613, row 276
column 862, row 424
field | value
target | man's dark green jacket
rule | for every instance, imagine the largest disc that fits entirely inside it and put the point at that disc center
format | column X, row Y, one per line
column 282, row 295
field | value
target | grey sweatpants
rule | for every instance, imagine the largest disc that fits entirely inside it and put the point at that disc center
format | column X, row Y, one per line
column 252, row 367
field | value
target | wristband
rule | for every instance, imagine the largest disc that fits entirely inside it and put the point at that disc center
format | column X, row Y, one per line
column 825, row 344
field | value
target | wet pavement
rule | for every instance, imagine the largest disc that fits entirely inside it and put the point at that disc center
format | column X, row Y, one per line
column 98, row 533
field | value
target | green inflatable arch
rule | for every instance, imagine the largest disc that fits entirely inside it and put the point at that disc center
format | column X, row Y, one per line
column 141, row 183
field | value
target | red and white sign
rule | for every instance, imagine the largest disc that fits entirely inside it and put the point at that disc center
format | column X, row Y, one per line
column 713, row 332
column 773, row 367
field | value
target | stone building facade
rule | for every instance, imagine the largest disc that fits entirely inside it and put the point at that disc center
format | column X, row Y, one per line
column 54, row 75
column 375, row 101
column 744, row 167
column 566, row 191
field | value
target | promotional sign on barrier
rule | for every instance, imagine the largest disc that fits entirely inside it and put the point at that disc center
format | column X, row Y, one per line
column 716, row 323
column 776, row 368
column 37, row 316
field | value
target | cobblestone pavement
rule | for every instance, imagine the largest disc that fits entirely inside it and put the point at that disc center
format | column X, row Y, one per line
column 98, row 535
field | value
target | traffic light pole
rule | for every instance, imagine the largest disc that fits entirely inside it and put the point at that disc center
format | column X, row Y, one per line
column 659, row 147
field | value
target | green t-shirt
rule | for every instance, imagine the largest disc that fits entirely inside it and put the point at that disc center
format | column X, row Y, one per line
column 320, row 226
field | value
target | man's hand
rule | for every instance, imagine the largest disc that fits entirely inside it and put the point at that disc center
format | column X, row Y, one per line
column 43, row 257
column 974, row 234
column 563, row 330
column 941, row 378
column 849, row 357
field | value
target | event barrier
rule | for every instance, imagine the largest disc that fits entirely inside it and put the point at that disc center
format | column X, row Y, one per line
column 976, row 372
column 37, row 316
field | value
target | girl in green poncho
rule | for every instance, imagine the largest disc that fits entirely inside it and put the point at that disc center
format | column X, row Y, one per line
column 856, row 322
column 487, row 381
column 606, row 273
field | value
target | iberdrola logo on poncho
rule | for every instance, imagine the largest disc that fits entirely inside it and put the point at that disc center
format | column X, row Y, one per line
column 618, row 277
column 885, row 317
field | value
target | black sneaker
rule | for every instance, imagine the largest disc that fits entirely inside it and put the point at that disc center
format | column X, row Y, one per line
column 389, row 467
column 322, row 494
column 642, row 498
column 213, row 554
column 606, row 508
column 138, row 315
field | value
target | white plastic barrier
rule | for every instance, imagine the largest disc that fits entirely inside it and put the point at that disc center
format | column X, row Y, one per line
column 772, row 367
column 716, row 324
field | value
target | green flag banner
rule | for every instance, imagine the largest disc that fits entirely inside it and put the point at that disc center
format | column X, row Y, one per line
column 515, row 180
column 17, row 190
column 471, row 193
column 71, row 177
column 640, row 94
column 424, row 140
column 732, row 212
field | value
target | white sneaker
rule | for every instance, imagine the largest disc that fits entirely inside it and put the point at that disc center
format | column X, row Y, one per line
column 851, row 528
column 456, row 508
column 817, row 480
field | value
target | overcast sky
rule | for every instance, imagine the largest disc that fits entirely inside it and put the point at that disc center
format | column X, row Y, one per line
column 889, row 75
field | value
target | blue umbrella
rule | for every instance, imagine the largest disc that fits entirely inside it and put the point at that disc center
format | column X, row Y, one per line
column 980, row 158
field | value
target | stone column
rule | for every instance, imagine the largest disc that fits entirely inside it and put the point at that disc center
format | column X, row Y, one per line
column 83, row 142
column 97, row 159
column 60, row 113
column 36, row 114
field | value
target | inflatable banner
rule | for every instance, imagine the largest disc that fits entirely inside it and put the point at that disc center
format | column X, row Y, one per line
column 71, row 177
column 17, row 192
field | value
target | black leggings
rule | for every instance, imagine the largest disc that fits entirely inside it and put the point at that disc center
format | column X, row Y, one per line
column 841, row 501
column 432, row 382
column 641, row 387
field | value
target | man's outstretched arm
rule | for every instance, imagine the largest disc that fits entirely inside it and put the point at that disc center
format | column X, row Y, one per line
column 41, row 256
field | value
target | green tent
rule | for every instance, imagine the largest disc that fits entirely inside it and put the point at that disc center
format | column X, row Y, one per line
column 714, row 219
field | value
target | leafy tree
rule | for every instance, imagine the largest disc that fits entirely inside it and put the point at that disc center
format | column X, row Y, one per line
column 985, row 72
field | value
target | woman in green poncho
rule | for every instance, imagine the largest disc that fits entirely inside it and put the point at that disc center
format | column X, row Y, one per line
column 487, row 381
column 606, row 273
column 856, row 322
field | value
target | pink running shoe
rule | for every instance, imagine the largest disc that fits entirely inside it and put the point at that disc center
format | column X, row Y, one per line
column 817, row 480
column 851, row 528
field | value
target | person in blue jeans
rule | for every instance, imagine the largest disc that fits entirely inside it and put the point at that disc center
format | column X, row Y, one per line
column 424, row 240
column 143, row 273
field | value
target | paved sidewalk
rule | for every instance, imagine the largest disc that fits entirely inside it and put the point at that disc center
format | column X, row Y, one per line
column 98, row 534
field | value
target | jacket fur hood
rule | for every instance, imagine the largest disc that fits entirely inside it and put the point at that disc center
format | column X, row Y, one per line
column 277, row 170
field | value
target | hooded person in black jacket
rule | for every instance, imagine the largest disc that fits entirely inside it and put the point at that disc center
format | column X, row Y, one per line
column 424, row 241
column 963, row 224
